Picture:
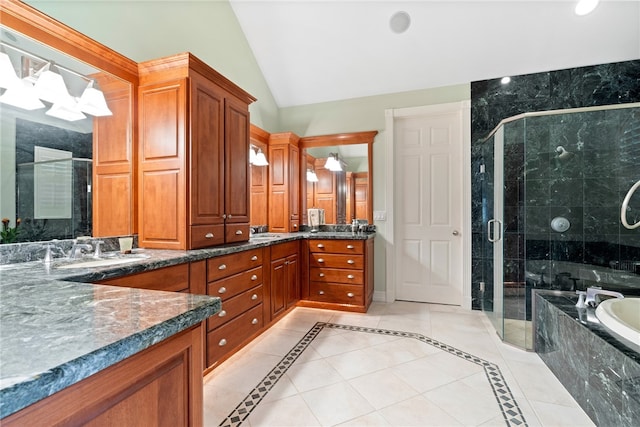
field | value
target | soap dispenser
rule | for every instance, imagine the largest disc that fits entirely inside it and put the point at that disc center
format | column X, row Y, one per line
column 354, row 226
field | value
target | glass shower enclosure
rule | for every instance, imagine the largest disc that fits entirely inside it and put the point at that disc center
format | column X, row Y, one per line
column 552, row 190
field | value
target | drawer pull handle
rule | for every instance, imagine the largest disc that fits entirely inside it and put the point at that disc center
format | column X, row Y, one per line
column 238, row 232
column 320, row 292
column 222, row 267
column 254, row 297
column 320, row 259
column 320, row 245
column 222, row 342
column 321, row 274
column 254, row 321
column 349, row 246
column 254, row 277
column 222, row 290
column 222, row 313
column 350, row 276
column 295, row 225
column 254, row 258
column 350, row 261
column 350, row 295
column 209, row 235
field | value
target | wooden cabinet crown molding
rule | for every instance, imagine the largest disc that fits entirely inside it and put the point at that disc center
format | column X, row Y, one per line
column 35, row 24
column 338, row 139
column 284, row 138
column 259, row 136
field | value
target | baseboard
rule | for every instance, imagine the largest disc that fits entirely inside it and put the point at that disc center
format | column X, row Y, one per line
column 379, row 296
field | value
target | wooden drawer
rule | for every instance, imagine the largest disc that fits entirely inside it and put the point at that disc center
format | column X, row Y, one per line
column 237, row 233
column 227, row 337
column 174, row 279
column 355, row 277
column 227, row 265
column 231, row 286
column 337, row 246
column 282, row 250
column 336, row 293
column 336, row 261
column 235, row 306
column 203, row 236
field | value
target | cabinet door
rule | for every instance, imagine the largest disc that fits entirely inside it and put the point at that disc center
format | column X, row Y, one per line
column 237, row 162
column 294, row 187
column 278, row 189
column 293, row 279
column 207, row 152
column 278, row 286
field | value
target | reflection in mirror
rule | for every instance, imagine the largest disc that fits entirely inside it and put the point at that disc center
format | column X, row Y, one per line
column 341, row 192
column 50, row 108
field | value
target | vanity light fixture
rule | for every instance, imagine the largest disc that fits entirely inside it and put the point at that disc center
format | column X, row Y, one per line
column 252, row 155
column 311, row 176
column 50, row 86
column 8, row 76
column 66, row 109
column 332, row 163
column 92, row 102
column 22, row 95
column 261, row 159
column 585, row 7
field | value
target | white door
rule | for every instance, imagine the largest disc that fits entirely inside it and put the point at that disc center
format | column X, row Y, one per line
column 429, row 202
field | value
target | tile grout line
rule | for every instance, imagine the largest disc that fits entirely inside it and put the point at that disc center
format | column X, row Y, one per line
column 508, row 406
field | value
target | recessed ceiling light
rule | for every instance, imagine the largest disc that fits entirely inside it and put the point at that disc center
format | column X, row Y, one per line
column 400, row 22
column 585, row 7
column 505, row 80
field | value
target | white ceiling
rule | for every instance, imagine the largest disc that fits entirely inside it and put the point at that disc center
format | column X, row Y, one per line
column 326, row 50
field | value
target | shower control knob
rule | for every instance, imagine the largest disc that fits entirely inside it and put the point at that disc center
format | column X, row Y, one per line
column 560, row 224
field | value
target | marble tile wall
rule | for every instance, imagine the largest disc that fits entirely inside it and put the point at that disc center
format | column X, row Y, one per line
column 538, row 188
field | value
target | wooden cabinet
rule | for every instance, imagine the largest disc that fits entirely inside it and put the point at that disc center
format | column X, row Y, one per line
column 161, row 385
column 259, row 180
column 339, row 275
column 284, row 277
column 193, row 177
column 188, row 277
column 284, row 182
column 238, row 280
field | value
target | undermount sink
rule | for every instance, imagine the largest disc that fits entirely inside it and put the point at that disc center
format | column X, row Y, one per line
column 104, row 262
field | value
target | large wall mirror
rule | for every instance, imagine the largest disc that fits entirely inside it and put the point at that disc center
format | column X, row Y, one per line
column 52, row 108
column 338, row 176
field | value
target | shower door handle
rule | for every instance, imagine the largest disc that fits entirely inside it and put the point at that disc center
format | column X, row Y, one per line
column 625, row 205
column 497, row 231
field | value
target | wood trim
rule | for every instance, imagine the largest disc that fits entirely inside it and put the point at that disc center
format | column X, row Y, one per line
column 338, row 139
column 284, row 138
column 35, row 24
column 258, row 136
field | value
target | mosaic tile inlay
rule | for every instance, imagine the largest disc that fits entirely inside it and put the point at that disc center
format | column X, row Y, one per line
column 509, row 407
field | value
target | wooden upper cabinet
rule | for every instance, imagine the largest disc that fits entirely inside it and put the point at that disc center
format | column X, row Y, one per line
column 284, row 182
column 193, row 159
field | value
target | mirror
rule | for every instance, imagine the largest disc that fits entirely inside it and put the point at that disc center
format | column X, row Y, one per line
column 342, row 194
column 47, row 144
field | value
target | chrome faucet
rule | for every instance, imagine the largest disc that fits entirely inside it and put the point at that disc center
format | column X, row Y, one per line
column 593, row 300
column 77, row 249
column 49, row 254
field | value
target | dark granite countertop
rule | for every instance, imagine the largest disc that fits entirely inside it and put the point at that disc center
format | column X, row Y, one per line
column 57, row 328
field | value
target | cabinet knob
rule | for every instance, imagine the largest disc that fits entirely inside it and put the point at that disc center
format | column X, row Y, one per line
column 320, row 245
column 209, row 236
column 222, row 342
column 350, row 276
column 254, row 258
column 238, row 232
column 222, row 290
column 254, row 321
column 229, row 216
column 254, row 277
column 350, row 295
column 320, row 260
column 254, row 297
column 321, row 274
column 222, row 313
column 222, row 267
column 295, row 225
column 350, row 261
column 320, row 292
column 349, row 246
column 224, row 216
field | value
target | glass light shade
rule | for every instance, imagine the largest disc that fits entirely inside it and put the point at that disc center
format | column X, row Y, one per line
column 22, row 95
column 585, row 7
column 252, row 156
column 66, row 109
column 333, row 164
column 92, row 102
column 8, row 75
column 50, row 87
column 311, row 176
column 261, row 159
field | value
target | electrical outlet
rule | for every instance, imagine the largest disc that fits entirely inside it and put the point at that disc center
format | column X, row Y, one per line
column 379, row 215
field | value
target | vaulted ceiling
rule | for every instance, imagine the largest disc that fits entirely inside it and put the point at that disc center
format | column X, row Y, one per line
column 325, row 50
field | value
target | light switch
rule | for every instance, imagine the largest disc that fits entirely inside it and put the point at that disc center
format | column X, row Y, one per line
column 379, row 215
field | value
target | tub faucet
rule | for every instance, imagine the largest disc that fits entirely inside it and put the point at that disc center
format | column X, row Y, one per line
column 593, row 300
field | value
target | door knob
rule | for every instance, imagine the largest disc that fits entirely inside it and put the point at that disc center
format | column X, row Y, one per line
column 455, row 232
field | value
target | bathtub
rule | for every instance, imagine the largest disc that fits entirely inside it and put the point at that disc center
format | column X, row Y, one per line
column 622, row 317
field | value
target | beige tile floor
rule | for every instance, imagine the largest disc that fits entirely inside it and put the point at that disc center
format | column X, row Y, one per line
column 354, row 378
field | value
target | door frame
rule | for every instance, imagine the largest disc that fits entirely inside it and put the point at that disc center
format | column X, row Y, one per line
column 463, row 107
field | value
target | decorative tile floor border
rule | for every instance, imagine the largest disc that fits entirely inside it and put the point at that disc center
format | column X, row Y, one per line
column 510, row 410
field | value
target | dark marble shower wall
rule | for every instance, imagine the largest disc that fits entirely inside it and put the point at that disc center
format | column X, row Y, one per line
column 588, row 187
